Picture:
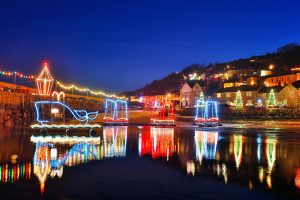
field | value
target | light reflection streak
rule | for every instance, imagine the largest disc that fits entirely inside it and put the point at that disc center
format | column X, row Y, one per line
column 206, row 145
column 271, row 153
column 13, row 173
column 115, row 141
column 238, row 149
column 47, row 160
column 261, row 174
column 158, row 142
column 297, row 178
column 259, row 143
column 271, row 157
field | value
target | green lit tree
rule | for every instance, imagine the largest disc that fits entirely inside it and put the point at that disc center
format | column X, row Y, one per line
column 201, row 100
column 272, row 100
column 239, row 100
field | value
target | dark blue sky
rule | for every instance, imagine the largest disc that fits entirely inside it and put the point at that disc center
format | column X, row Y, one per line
column 122, row 45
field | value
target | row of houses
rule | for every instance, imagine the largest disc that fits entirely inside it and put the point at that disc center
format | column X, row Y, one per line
column 288, row 95
column 255, row 90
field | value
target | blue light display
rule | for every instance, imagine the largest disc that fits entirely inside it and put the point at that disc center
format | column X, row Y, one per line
column 116, row 114
column 208, row 113
column 80, row 115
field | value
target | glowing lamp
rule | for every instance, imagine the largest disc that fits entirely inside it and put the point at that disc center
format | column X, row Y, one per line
column 54, row 110
column 44, row 81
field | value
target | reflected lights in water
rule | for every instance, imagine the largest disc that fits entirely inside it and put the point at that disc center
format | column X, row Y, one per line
column 41, row 163
column 158, row 142
column 259, row 143
column 190, row 168
column 297, row 178
column 70, row 140
column 50, row 160
column 238, row 149
column 115, row 141
column 271, row 153
column 13, row 173
column 45, row 162
column 206, row 145
column 271, row 157
column 261, row 174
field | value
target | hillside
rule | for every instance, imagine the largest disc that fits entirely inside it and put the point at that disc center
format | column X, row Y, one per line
column 284, row 58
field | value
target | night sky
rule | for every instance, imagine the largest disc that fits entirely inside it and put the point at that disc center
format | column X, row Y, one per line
column 122, row 45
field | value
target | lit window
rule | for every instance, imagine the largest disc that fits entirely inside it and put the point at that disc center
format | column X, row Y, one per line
column 219, row 95
column 228, row 94
column 248, row 94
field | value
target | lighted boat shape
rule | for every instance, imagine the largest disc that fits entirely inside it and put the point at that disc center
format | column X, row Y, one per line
column 207, row 115
column 162, row 122
column 115, row 113
column 51, row 114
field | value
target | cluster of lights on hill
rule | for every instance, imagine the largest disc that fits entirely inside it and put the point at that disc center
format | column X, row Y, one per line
column 4, row 73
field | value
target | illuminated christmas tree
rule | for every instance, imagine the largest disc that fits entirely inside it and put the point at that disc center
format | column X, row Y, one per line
column 272, row 100
column 201, row 101
column 239, row 100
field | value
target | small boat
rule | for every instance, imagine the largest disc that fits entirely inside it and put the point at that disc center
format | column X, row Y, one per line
column 162, row 122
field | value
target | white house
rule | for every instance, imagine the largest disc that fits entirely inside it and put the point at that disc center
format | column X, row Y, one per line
column 190, row 93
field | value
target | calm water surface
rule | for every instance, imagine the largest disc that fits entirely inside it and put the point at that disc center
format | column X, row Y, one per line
column 151, row 163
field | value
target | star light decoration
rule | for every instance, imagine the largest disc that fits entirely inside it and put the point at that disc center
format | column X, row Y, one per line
column 44, row 81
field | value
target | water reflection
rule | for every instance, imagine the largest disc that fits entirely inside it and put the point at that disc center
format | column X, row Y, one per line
column 271, row 157
column 41, row 163
column 240, row 158
column 47, row 161
column 157, row 141
column 115, row 141
column 259, row 144
column 297, row 178
column 52, row 153
column 238, row 149
column 206, row 145
column 11, row 173
column 271, row 153
column 254, row 160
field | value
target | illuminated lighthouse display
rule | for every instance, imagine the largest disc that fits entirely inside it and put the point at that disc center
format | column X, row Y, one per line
column 44, row 81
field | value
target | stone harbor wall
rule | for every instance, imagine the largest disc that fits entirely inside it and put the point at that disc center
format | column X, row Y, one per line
column 17, row 109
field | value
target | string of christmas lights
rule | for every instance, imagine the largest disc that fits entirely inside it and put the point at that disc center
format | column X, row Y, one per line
column 97, row 93
column 4, row 73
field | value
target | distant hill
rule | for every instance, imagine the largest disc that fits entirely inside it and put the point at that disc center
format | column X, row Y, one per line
column 284, row 58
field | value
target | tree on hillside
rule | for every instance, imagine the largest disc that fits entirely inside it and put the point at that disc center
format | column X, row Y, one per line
column 201, row 101
column 238, row 100
column 271, row 100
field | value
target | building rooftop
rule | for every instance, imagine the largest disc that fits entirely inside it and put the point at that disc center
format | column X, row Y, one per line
column 192, row 83
column 296, row 84
column 234, row 80
column 240, row 88
column 279, row 74
column 268, row 89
